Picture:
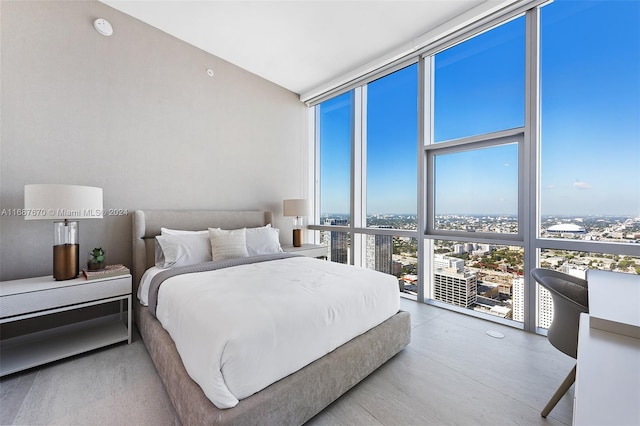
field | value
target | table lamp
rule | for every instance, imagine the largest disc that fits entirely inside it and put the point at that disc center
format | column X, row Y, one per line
column 64, row 204
column 297, row 208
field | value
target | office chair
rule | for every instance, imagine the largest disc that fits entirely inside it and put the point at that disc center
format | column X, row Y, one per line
column 570, row 298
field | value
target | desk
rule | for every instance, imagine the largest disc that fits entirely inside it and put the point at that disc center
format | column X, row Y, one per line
column 607, row 390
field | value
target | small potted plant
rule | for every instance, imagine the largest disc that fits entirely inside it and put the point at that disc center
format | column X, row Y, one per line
column 96, row 261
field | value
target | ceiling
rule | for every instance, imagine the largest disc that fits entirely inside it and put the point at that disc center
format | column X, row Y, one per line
column 303, row 45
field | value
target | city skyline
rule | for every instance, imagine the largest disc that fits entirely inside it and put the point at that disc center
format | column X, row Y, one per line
column 588, row 228
column 481, row 276
column 563, row 216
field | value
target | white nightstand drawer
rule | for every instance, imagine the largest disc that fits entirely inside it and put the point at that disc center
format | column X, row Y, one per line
column 38, row 294
column 309, row 250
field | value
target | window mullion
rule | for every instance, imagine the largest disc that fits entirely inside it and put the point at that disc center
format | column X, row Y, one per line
column 360, row 160
column 314, row 174
column 424, row 132
column 357, row 173
column 530, row 167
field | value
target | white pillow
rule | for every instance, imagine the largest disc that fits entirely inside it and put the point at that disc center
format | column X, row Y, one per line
column 228, row 244
column 182, row 250
column 263, row 240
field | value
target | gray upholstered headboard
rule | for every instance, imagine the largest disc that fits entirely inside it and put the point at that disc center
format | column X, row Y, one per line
column 147, row 224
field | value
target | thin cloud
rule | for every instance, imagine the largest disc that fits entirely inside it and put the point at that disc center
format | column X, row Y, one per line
column 581, row 185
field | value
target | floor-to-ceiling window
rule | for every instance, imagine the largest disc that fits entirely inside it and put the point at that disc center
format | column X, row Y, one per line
column 335, row 133
column 391, row 176
column 527, row 144
column 474, row 146
column 589, row 182
column 368, row 176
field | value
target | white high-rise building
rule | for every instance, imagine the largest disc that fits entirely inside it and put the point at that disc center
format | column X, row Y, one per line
column 459, row 249
column 451, row 283
column 518, row 298
column 545, row 301
column 545, row 307
column 455, row 288
column 574, row 270
column 440, row 261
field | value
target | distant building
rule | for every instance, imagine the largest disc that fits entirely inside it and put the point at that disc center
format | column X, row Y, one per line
column 495, row 310
column 440, row 261
column 452, row 284
column 459, row 249
column 518, row 298
column 455, row 288
column 338, row 242
column 566, row 228
column 545, row 307
column 380, row 252
column 544, row 303
column 482, row 249
column 505, row 288
column 501, row 311
column 396, row 268
column 574, row 270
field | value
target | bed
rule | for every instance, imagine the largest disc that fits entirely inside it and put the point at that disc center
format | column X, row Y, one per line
column 291, row 400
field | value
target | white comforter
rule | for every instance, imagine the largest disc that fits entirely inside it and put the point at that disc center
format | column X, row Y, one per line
column 240, row 329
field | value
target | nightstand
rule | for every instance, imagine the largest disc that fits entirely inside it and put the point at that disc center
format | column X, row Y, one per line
column 309, row 250
column 41, row 296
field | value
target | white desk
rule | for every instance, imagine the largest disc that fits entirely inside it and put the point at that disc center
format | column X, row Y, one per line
column 607, row 390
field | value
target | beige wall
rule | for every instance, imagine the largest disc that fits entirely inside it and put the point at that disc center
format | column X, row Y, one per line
column 137, row 115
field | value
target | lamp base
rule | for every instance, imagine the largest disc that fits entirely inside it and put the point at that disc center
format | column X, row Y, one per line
column 297, row 237
column 66, row 265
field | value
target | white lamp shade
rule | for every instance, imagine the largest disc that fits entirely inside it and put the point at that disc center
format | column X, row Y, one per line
column 296, row 207
column 52, row 201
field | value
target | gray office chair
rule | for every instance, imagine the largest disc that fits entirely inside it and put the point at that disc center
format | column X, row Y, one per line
column 570, row 299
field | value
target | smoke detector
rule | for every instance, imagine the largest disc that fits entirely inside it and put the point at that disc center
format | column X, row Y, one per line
column 103, row 27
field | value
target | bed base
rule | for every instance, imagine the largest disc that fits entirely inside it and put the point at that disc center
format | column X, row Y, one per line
column 292, row 400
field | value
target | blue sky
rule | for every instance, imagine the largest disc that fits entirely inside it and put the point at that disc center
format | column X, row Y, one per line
column 479, row 88
column 590, row 114
column 392, row 152
column 590, row 108
column 335, row 154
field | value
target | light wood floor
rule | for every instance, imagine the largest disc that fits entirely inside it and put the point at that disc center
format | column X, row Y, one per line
column 452, row 372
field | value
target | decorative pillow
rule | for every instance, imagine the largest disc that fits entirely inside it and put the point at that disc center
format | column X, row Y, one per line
column 228, row 244
column 263, row 240
column 173, row 251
